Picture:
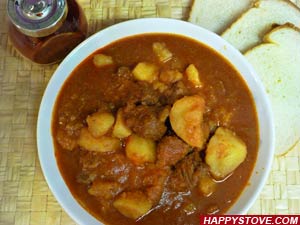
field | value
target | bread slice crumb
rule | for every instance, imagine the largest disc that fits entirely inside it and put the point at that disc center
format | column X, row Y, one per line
column 249, row 29
column 277, row 62
column 216, row 15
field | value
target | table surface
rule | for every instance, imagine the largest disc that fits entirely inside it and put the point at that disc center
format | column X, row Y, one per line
column 24, row 195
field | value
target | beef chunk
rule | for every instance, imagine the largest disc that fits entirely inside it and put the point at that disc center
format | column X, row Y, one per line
column 149, row 96
column 144, row 121
column 67, row 136
column 105, row 190
column 187, row 173
column 85, row 178
column 89, row 160
column 114, row 167
column 154, row 182
column 170, row 150
column 175, row 92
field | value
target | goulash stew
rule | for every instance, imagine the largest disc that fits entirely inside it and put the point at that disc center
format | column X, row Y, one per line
column 155, row 129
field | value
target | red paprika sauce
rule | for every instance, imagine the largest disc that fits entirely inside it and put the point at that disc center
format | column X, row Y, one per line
column 101, row 179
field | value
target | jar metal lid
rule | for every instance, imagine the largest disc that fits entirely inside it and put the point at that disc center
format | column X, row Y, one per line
column 37, row 18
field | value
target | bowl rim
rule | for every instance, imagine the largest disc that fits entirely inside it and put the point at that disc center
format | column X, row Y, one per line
column 46, row 151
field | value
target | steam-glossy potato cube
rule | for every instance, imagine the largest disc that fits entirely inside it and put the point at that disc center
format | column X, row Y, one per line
column 120, row 129
column 161, row 51
column 99, row 123
column 192, row 74
column 146, row 72
column 140, row 150
column 102, row 144
column 186, row 119
column 224, row 153
column 100, row 60
column 206, row 185
column 170, row 76
column 132, row 204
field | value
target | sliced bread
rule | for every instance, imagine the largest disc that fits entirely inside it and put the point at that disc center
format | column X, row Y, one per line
column 216, row 15
column 297, row 2
column 249, row 29
column 277, row 62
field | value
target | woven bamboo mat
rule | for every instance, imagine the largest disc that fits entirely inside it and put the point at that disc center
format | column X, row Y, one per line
column 24, row 194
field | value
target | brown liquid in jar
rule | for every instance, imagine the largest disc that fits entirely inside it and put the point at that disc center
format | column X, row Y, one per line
column 54, row 47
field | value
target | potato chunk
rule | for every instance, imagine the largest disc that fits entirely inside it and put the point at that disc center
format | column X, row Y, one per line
column 100, row 60
column 206, row 185
column 102, row 144
column 186, row 119
column 224, row 153
column 193, row 75
column 146, row 72
column 161, row 51
column 140, row 150
column 99, row 123
column 132, row 204
column 120, row 129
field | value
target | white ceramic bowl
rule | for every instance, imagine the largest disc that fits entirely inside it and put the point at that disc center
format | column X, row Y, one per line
column 140, row 26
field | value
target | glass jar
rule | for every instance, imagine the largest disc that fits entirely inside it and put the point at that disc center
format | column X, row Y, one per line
column 45, row 31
